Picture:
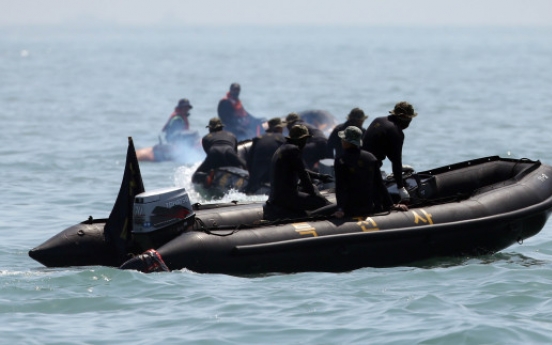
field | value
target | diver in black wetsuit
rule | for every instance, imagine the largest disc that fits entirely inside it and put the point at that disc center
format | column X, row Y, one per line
column 286, row 169
column 260, row 155
column 384, row 138
column 315, row 148
column 221, row 149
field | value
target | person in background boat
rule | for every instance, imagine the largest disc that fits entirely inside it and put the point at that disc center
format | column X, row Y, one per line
column 176, row 138
column 221, row 148
column 178, row 121
column 260, row 154
column 234, row 116
column 315, row 148
column 287, row 168
column 359, row 187
column 355, row 118
column 385, row 137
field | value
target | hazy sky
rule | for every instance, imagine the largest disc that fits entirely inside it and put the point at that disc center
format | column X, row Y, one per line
column 206, row 12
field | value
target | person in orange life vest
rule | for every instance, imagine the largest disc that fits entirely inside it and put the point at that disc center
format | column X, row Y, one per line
column 175, row 135
column 234, row 116
column 178, row 121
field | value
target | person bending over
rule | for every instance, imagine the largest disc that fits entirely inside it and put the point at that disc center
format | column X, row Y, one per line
column 221, row 148
column 385, row 137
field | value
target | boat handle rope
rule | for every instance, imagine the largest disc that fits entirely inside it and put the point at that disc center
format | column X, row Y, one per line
column 205, row 229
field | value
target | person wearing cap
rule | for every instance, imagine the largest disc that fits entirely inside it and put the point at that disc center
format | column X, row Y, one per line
column 260, row 154
column 178, row 120
column 315, row 148
column 221, row 148
column 359, row 187
column 355, row 118
column 176, row 137
column 237, row 120
column 385, row 137
column 287, row 168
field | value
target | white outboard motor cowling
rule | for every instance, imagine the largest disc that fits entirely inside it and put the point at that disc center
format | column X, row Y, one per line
column 158, row 209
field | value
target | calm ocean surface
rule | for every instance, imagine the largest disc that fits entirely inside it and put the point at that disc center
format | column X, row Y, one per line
column 69, row 98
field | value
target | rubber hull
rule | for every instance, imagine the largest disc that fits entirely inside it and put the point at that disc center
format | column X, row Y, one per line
column 508, row 202
column 379, row 241
column 83, row 244
column 470, row 208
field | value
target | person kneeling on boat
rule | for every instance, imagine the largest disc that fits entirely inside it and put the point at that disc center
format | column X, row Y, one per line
column 359, row 186
column 287, row 168
column 221, row 148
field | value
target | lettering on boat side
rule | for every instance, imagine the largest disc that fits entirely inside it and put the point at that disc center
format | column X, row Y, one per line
column 305, row 229
column 368, row 225
column 425, row 218
column 542, row 177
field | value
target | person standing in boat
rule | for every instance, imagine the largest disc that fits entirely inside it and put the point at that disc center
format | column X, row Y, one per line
column 359, row 187
column 260, row 154
column 237, row 120
column 385, row 137
column 221, row 148
column 315, row 148
column 287, row 168
column 355, row 118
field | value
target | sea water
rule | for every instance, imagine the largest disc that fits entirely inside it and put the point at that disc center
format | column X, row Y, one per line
column 70, row 97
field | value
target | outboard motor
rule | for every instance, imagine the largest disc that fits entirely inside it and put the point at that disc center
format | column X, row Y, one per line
column 160, row 216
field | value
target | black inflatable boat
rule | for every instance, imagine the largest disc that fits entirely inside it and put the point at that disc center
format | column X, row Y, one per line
column 470, row 208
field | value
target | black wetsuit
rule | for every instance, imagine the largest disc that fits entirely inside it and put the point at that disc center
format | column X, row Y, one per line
column 334, row 141
column 384, row 138
column 221, row 149
column 359, row 187
column 315, row 149
column 259, row 158
column 287, row 168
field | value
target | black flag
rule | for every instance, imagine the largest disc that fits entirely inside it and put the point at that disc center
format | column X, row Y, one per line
column 119, row 224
